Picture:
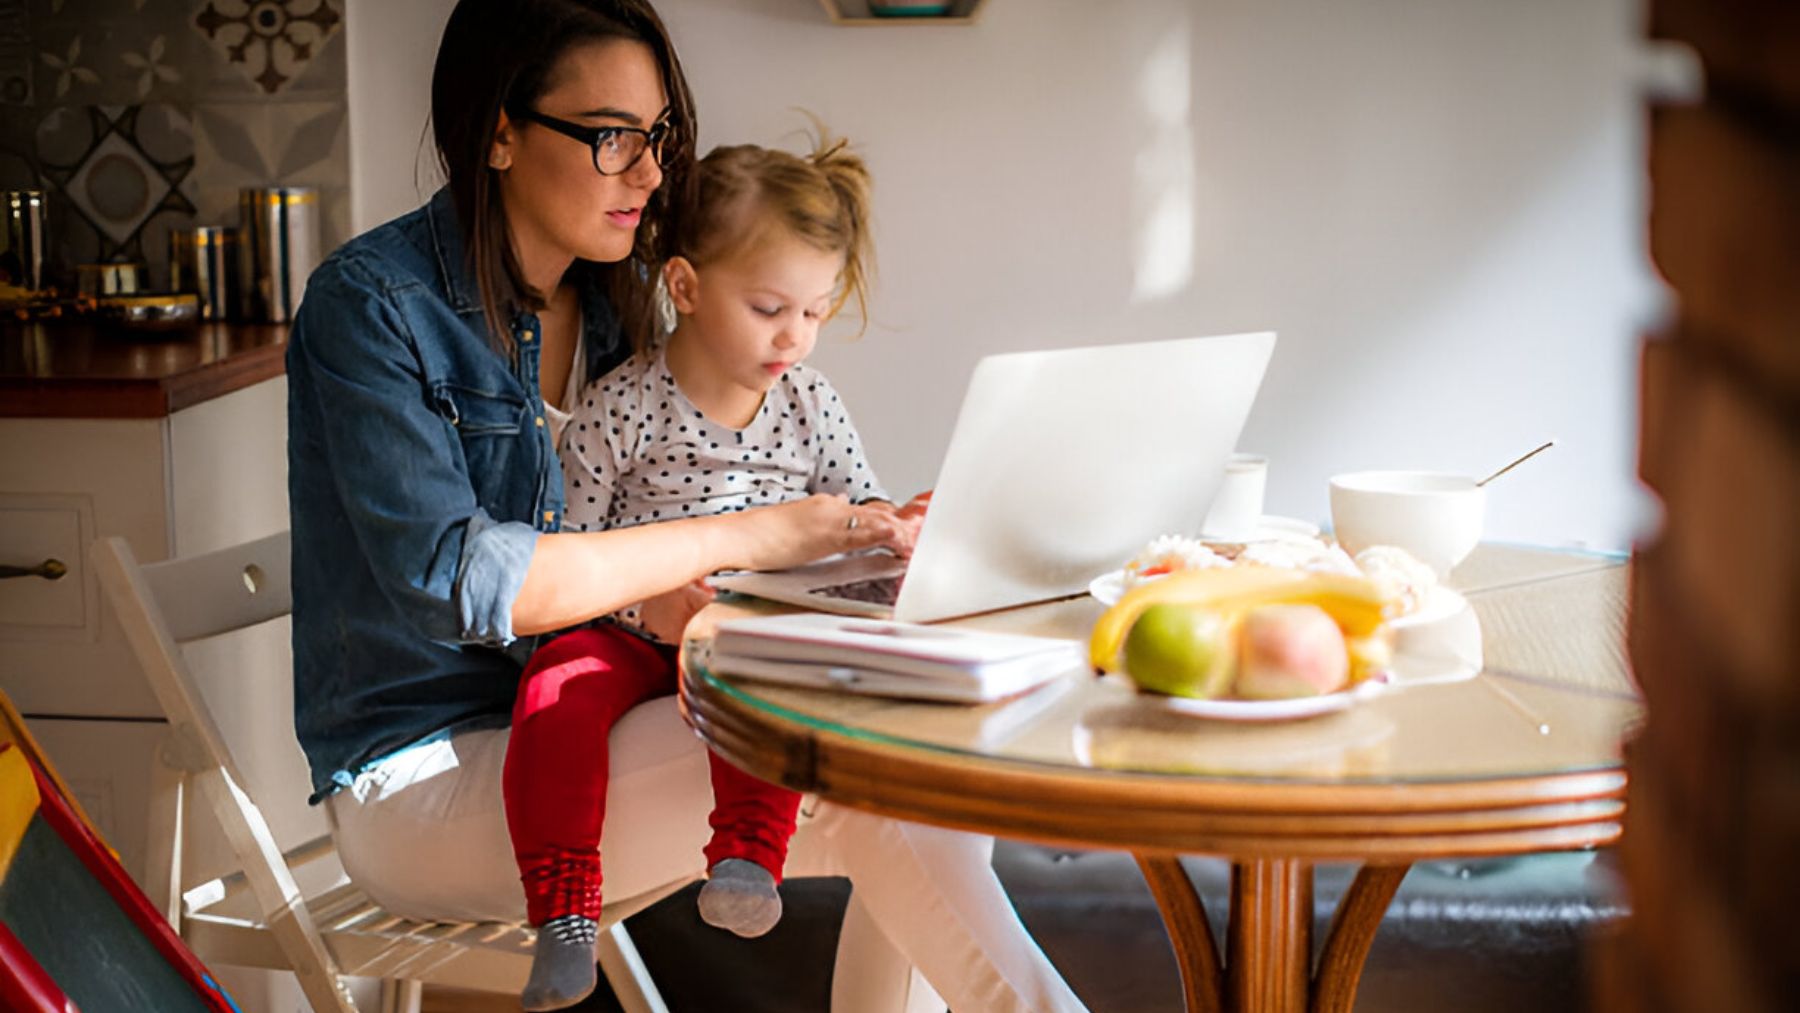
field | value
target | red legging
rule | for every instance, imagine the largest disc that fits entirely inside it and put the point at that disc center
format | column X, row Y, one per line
column 573, row 690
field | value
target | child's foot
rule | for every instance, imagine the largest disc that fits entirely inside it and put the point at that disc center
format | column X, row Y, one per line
column 562, row 968
column 740, row 896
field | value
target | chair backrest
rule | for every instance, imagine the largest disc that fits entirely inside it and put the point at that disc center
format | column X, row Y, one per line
column 163, row 605
column 218, row 592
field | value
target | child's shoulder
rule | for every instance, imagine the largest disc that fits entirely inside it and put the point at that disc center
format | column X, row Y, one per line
column 631, row 378
column 808, row 385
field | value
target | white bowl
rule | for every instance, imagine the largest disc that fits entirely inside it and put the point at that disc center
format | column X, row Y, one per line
column 1436, row 517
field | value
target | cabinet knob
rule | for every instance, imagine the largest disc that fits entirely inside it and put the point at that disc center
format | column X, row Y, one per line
column 49, row 569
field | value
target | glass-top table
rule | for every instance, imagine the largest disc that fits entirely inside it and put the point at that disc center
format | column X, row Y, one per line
column 1524, row 756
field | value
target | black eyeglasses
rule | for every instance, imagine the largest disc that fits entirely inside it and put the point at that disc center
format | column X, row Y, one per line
column 616, row 149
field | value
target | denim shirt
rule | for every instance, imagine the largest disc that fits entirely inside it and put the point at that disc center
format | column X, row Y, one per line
column 420, row 473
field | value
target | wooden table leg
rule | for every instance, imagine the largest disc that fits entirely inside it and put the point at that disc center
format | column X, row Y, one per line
column 1184, row 915
column 1269, row 944
column 1353, row 929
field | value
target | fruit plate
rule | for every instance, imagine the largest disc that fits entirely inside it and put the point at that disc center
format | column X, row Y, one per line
column 1440, row 642
column 1269, row 710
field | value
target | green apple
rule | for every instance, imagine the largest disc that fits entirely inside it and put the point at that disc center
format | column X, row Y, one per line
column 1182, row 650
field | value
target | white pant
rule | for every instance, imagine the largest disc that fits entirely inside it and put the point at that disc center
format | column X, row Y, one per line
column 424, row 834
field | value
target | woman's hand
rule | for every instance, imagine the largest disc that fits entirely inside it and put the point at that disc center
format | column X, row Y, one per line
column 907, row 521
column 777, row 537
column 666, row 615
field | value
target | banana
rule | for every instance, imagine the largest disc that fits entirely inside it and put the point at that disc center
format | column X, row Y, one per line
column 1369, row 655
column 1353, row 602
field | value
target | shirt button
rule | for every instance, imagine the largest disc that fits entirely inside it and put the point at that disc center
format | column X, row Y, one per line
column 525, row 336
column 549, row 515
column 540, row 422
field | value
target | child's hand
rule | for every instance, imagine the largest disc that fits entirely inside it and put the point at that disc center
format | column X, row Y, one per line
column 915, row 507
column 667, row 614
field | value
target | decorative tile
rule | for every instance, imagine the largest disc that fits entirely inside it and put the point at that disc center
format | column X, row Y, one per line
column 240, row 144
column 151, row 67
column 142, row 115
column 270, row 41
column 15, row 53
column 117, row 188
column 68, row 69
column 121, row 170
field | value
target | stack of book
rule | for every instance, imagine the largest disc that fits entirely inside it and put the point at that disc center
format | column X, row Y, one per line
column 884, row 658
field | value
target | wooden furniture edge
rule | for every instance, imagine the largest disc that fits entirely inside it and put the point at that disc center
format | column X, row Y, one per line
column 1147, row 813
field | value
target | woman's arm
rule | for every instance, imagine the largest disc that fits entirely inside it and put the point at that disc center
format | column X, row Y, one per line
column 574, row 577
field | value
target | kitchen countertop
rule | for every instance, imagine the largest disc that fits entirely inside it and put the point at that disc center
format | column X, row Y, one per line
column 83, row 369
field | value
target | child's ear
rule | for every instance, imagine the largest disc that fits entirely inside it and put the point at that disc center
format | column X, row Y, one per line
column 683, row 283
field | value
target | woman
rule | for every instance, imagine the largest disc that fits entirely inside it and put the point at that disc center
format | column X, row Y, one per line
column 425, row 370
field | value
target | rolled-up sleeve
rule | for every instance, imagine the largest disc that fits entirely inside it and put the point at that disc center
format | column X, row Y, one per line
column 494, row 560
column 396, row 466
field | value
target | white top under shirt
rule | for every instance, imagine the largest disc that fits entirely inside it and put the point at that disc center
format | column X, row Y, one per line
column 636, row 450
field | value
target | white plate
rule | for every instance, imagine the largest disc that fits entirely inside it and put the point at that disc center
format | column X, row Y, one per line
column 1439, row 643
column 1270, row 710
column 1108, row 588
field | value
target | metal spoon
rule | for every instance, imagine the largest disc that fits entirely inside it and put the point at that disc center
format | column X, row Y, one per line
column 1516, row 462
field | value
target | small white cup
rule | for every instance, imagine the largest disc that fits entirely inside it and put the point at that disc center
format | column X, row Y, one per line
column 1236, row 511
column 1435, row 516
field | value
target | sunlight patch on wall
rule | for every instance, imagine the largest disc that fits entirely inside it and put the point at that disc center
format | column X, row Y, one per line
column 1163, row 195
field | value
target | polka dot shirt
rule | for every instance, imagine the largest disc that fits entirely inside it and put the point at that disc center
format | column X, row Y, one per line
column 637, row 451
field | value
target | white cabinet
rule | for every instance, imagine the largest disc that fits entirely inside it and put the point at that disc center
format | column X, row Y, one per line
column 205, row 476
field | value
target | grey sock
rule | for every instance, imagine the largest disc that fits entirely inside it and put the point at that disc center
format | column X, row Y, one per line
column 562, row 967
column 740, row 896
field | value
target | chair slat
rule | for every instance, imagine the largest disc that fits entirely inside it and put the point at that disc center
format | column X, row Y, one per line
column 218, row 592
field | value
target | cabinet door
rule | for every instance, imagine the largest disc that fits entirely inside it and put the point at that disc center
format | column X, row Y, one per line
column 74, row 480
column 35, row 531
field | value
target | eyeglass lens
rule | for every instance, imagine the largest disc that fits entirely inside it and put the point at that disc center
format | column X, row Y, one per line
column 618, row 150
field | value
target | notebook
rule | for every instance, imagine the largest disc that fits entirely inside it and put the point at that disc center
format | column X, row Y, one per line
column 886, row 658
column 1062, row 464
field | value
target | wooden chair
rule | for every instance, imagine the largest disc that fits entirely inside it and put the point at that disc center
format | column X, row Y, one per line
column 261, row 916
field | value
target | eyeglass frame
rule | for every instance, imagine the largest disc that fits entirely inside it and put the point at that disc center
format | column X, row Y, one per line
column 655, row 137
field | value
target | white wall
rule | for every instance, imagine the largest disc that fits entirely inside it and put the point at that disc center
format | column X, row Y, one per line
column 1438, row 206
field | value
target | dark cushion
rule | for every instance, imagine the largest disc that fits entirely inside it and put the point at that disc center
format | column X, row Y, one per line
column 1461, row 937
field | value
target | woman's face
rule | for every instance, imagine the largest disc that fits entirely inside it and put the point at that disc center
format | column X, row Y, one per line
column 558, row 205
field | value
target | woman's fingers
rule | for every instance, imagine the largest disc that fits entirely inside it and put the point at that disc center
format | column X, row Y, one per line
column 868, row 526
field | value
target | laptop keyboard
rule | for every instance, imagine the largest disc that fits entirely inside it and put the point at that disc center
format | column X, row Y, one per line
column 874, row 590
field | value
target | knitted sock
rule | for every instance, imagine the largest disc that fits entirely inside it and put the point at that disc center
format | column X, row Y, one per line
column 562, row 967
column 740, row 896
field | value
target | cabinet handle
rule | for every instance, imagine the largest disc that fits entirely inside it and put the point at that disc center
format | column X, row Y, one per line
column 49, row 569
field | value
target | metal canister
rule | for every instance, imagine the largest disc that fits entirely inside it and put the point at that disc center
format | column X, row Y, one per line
column 121, row 277
column 278, row 248
column 22, row 239
column 203, row 260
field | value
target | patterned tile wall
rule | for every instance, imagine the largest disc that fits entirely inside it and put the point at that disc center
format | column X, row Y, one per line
column 142, row 116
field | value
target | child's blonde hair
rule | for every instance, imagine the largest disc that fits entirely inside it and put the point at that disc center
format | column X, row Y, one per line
column 822, row 199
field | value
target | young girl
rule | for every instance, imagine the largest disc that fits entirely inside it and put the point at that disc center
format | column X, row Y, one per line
column 719, row 416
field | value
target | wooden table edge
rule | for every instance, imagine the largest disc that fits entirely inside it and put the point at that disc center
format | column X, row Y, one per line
column 1148, row 813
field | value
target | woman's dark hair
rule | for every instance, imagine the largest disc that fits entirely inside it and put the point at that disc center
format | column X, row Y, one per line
column 498, row 55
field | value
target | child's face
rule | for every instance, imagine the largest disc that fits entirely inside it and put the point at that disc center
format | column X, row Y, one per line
column 757, row 313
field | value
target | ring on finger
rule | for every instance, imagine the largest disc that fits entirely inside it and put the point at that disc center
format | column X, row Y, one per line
column 850, row 525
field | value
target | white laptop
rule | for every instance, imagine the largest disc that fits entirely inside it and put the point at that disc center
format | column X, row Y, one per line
column 1062, row 465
